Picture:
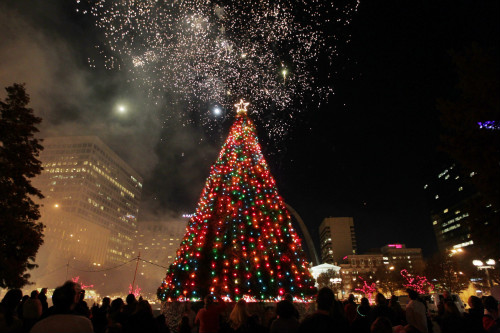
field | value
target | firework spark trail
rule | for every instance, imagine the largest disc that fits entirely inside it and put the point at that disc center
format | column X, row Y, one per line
column 215, row 52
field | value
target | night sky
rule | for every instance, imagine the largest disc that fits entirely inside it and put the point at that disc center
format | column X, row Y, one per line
column 365, row 152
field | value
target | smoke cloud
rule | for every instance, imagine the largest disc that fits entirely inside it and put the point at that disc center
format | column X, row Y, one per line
column 75, row 98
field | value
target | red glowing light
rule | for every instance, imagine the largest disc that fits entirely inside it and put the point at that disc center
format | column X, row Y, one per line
column 418, row 283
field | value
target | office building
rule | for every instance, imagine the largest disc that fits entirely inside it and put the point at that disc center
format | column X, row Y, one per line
column 400, row 257
column 450, row 196
column 355, row 265
column 157, row 242
column 90, row 206
column 389, row 258
column 337, row 239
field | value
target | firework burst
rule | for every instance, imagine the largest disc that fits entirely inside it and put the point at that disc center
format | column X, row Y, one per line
column 215, row 52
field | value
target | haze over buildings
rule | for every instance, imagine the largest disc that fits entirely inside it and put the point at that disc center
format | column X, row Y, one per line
column 157, row 243
column 90, row 208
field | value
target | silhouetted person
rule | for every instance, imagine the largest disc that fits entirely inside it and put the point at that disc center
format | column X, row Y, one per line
column 65, row 299
column 184, row 326
column 115, row 316
column 289, row 298
column 416, row 315
column 238, row 319
column 327, row 318
column 208, row 317
column 141, row 320
column 397, row 311
column 491, row 320
column 9, row 320
column 20, row 306
column 82, row 308
column 361, row 323
column 474, row 318
column 190, row 314
column 451, row 321
column 162, row 324
column 286, row 321
column 32, row 311
column 442, row 299
column 350, row 309
column 43, row 300
column 100, row 315
column 129, row 308
column 381, row 309
column 254, row 325
column 381, row 325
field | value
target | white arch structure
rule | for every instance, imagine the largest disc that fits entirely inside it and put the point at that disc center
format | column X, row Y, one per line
column 310, row 245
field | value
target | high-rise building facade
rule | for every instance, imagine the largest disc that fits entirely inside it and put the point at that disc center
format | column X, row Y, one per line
column 450, row 196
column 157, row 242
column 337, row 239
column 90, row 206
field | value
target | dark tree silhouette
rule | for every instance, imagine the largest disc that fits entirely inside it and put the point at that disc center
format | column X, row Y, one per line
column 389, row 281
column 20, row 233
column 448, row 273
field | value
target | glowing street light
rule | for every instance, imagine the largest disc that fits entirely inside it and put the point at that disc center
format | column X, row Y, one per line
column 477, row 263
column 490, row 264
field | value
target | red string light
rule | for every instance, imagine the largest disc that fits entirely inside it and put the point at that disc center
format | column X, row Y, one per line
column 418, row 283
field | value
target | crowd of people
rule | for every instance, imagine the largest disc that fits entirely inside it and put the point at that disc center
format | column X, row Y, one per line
column 70, row 313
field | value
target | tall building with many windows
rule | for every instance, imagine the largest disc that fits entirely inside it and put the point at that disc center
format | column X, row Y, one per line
column 157, row 242
column 337, row 239
column 90, row 206
column 450, row 196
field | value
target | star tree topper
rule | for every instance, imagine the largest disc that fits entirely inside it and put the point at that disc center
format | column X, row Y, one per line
column 241, row 107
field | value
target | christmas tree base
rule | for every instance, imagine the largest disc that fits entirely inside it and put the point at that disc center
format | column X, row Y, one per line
column 246, row 298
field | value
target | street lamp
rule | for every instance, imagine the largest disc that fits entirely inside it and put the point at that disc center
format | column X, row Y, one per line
column 490, row 264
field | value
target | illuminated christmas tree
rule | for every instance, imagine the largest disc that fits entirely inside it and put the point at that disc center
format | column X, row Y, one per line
column 240, row 242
